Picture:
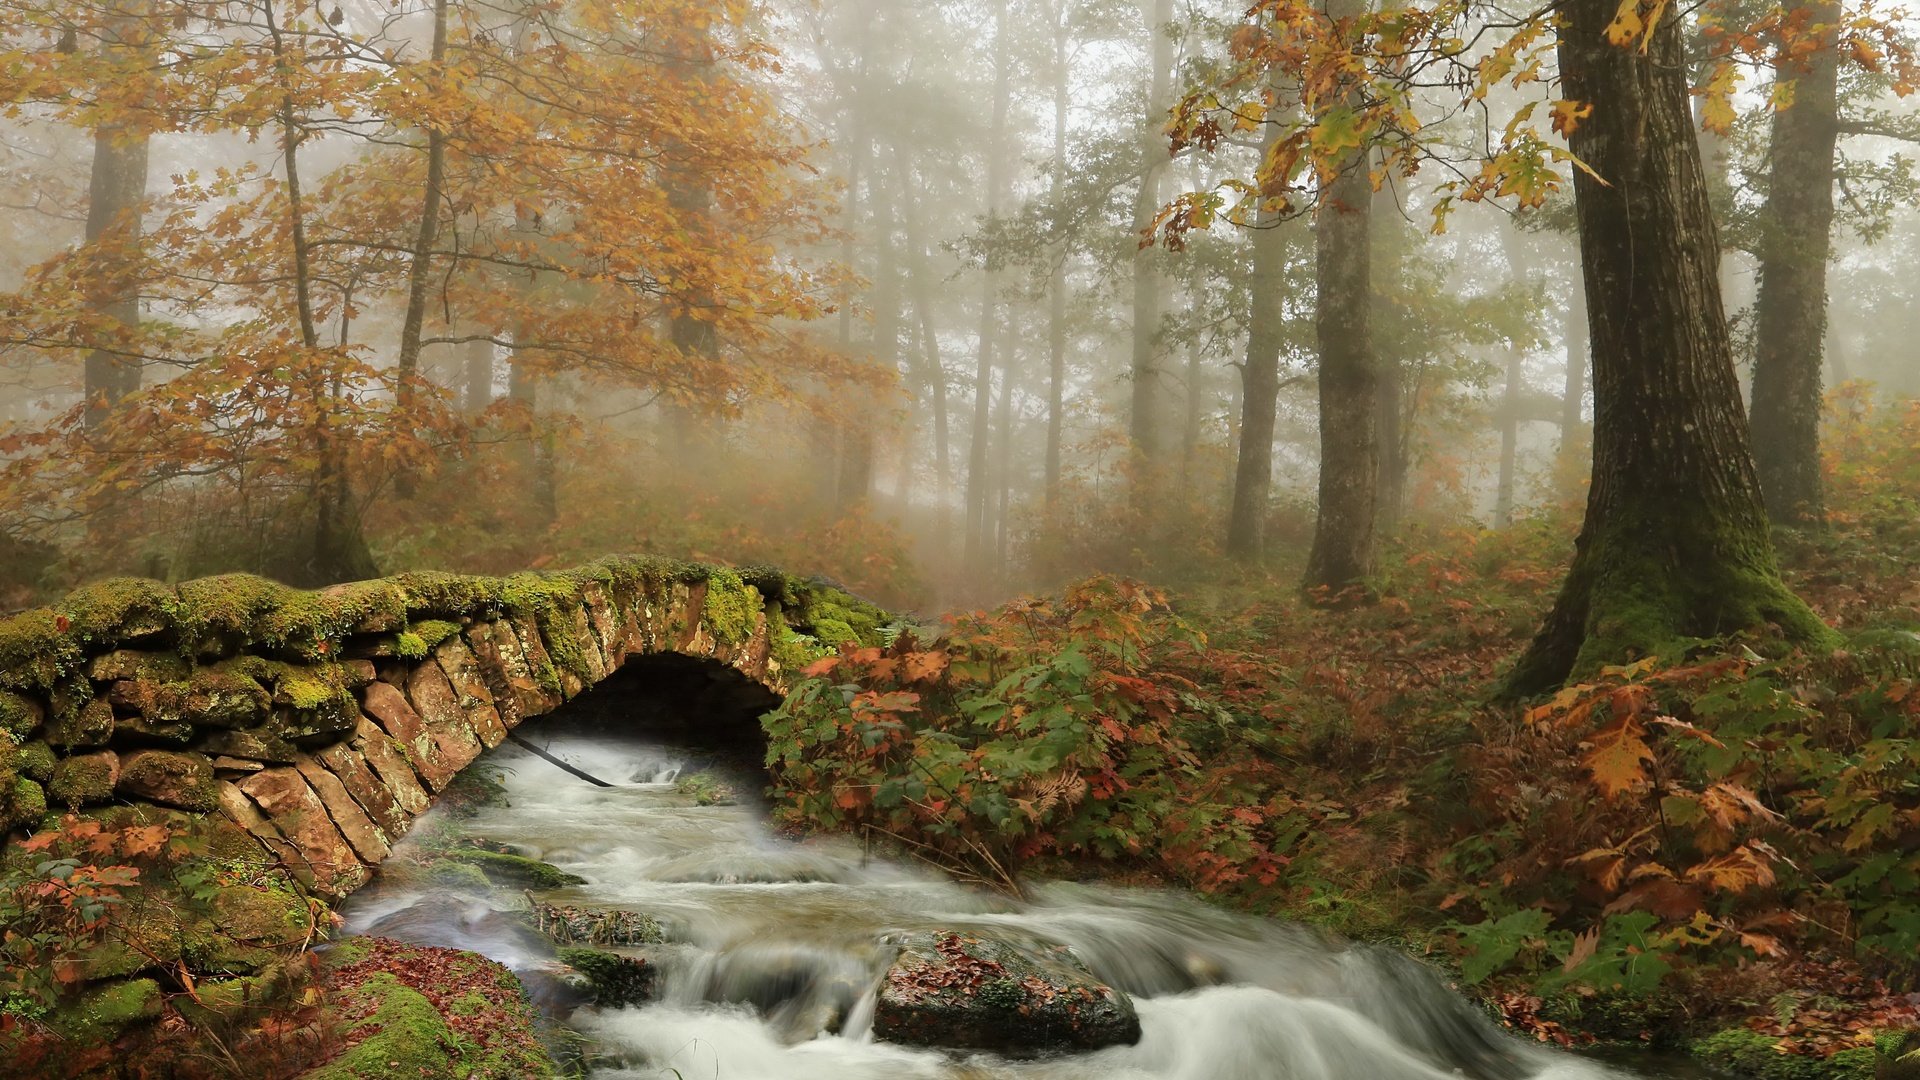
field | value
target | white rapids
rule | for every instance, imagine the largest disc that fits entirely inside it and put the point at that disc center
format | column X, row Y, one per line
column 778, row 953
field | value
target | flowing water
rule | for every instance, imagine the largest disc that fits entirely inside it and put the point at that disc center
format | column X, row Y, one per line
column 778, row 952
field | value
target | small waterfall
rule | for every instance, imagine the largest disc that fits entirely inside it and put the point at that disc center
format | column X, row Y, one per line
column 777, row 952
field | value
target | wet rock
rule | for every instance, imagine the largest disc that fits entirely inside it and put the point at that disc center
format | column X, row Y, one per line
column 591, row 926
column 516, row 870
column 617, row 979
column 971, row 993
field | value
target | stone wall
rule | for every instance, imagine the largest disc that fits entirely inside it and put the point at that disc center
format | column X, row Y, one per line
column 322, row 723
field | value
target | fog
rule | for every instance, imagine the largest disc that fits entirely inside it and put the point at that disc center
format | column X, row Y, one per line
column 859, row 289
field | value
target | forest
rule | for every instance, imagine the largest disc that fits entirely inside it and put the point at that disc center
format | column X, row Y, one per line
column 1433, row 477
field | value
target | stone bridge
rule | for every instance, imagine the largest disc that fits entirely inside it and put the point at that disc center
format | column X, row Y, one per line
column 323, row 723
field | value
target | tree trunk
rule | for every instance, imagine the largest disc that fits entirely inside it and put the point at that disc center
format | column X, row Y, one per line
column 477, row 375
column 116, row 195
column 1509, row 441
column 426, row 235
column 934, row 371
column 1260, row 383
column 116, row 191
column 1057, row 280
column 1573, row 399
column 979, row 483
column 1146, row 421
column 1675, row 543
column 1791, row 311
column 1391, row 239
column 1342, row 554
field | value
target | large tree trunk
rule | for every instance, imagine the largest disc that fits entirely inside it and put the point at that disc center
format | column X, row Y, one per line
column 979, row 480
column 1342, row 554
column 1146, row 419
column 1675, row 543
column 116, row 194
column 1791, row 312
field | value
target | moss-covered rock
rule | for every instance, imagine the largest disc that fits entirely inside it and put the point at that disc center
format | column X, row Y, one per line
column 101, row 1013
column 180, row 780
column 617, row 980
column 35, row 761
column 24, row 803
column 84, row 779
column 516, row 871
column 1899, row 1056
column 971, row 993
column 396, row 1002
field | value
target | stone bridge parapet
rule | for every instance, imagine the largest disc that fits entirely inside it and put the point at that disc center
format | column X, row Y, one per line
column 322, row 723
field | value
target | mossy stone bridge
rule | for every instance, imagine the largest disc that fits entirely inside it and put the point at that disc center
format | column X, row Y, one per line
column 320, row 724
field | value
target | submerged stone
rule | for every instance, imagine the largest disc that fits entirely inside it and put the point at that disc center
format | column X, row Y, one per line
column 970, row 993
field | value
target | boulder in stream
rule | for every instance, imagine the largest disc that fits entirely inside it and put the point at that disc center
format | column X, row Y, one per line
column 953, row 990
column 594, row 926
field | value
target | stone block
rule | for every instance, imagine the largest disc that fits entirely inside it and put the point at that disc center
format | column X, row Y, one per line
column 454, row 744
column 170, row 778
column 287, row 801
column 366, row 787
column 368, row 841
column 384, row 755
column 470, row 690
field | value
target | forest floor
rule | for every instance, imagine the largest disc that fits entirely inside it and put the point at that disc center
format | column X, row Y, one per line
column 1717, row 850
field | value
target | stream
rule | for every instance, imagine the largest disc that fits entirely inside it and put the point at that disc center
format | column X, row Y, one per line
column 777, row 952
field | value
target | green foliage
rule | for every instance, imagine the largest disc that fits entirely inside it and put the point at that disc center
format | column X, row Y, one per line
column 1061, row 729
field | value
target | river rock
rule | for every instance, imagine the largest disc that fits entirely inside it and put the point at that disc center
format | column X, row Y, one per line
column 953, row 990
column 595, row 926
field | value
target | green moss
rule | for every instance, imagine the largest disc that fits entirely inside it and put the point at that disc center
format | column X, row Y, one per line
column 834, row 632
column 34, row 651
column 19, row 716
column 35, row 761
column 731, row 607
column 1752, row 1055
column 453, row 874
column 515, row 870
column 78, row 781
column 403, row 1035
column 101, row 1014
column 834, row 617
column 418, row 640
column 617, row 980
column 551, row 601
column 115, row 609
column 24, row 804
column 793, row 651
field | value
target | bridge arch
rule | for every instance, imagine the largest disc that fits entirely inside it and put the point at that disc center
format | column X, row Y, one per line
column 323, row 723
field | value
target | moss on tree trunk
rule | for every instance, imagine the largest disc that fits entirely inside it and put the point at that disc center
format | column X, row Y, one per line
column 1675, row 543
